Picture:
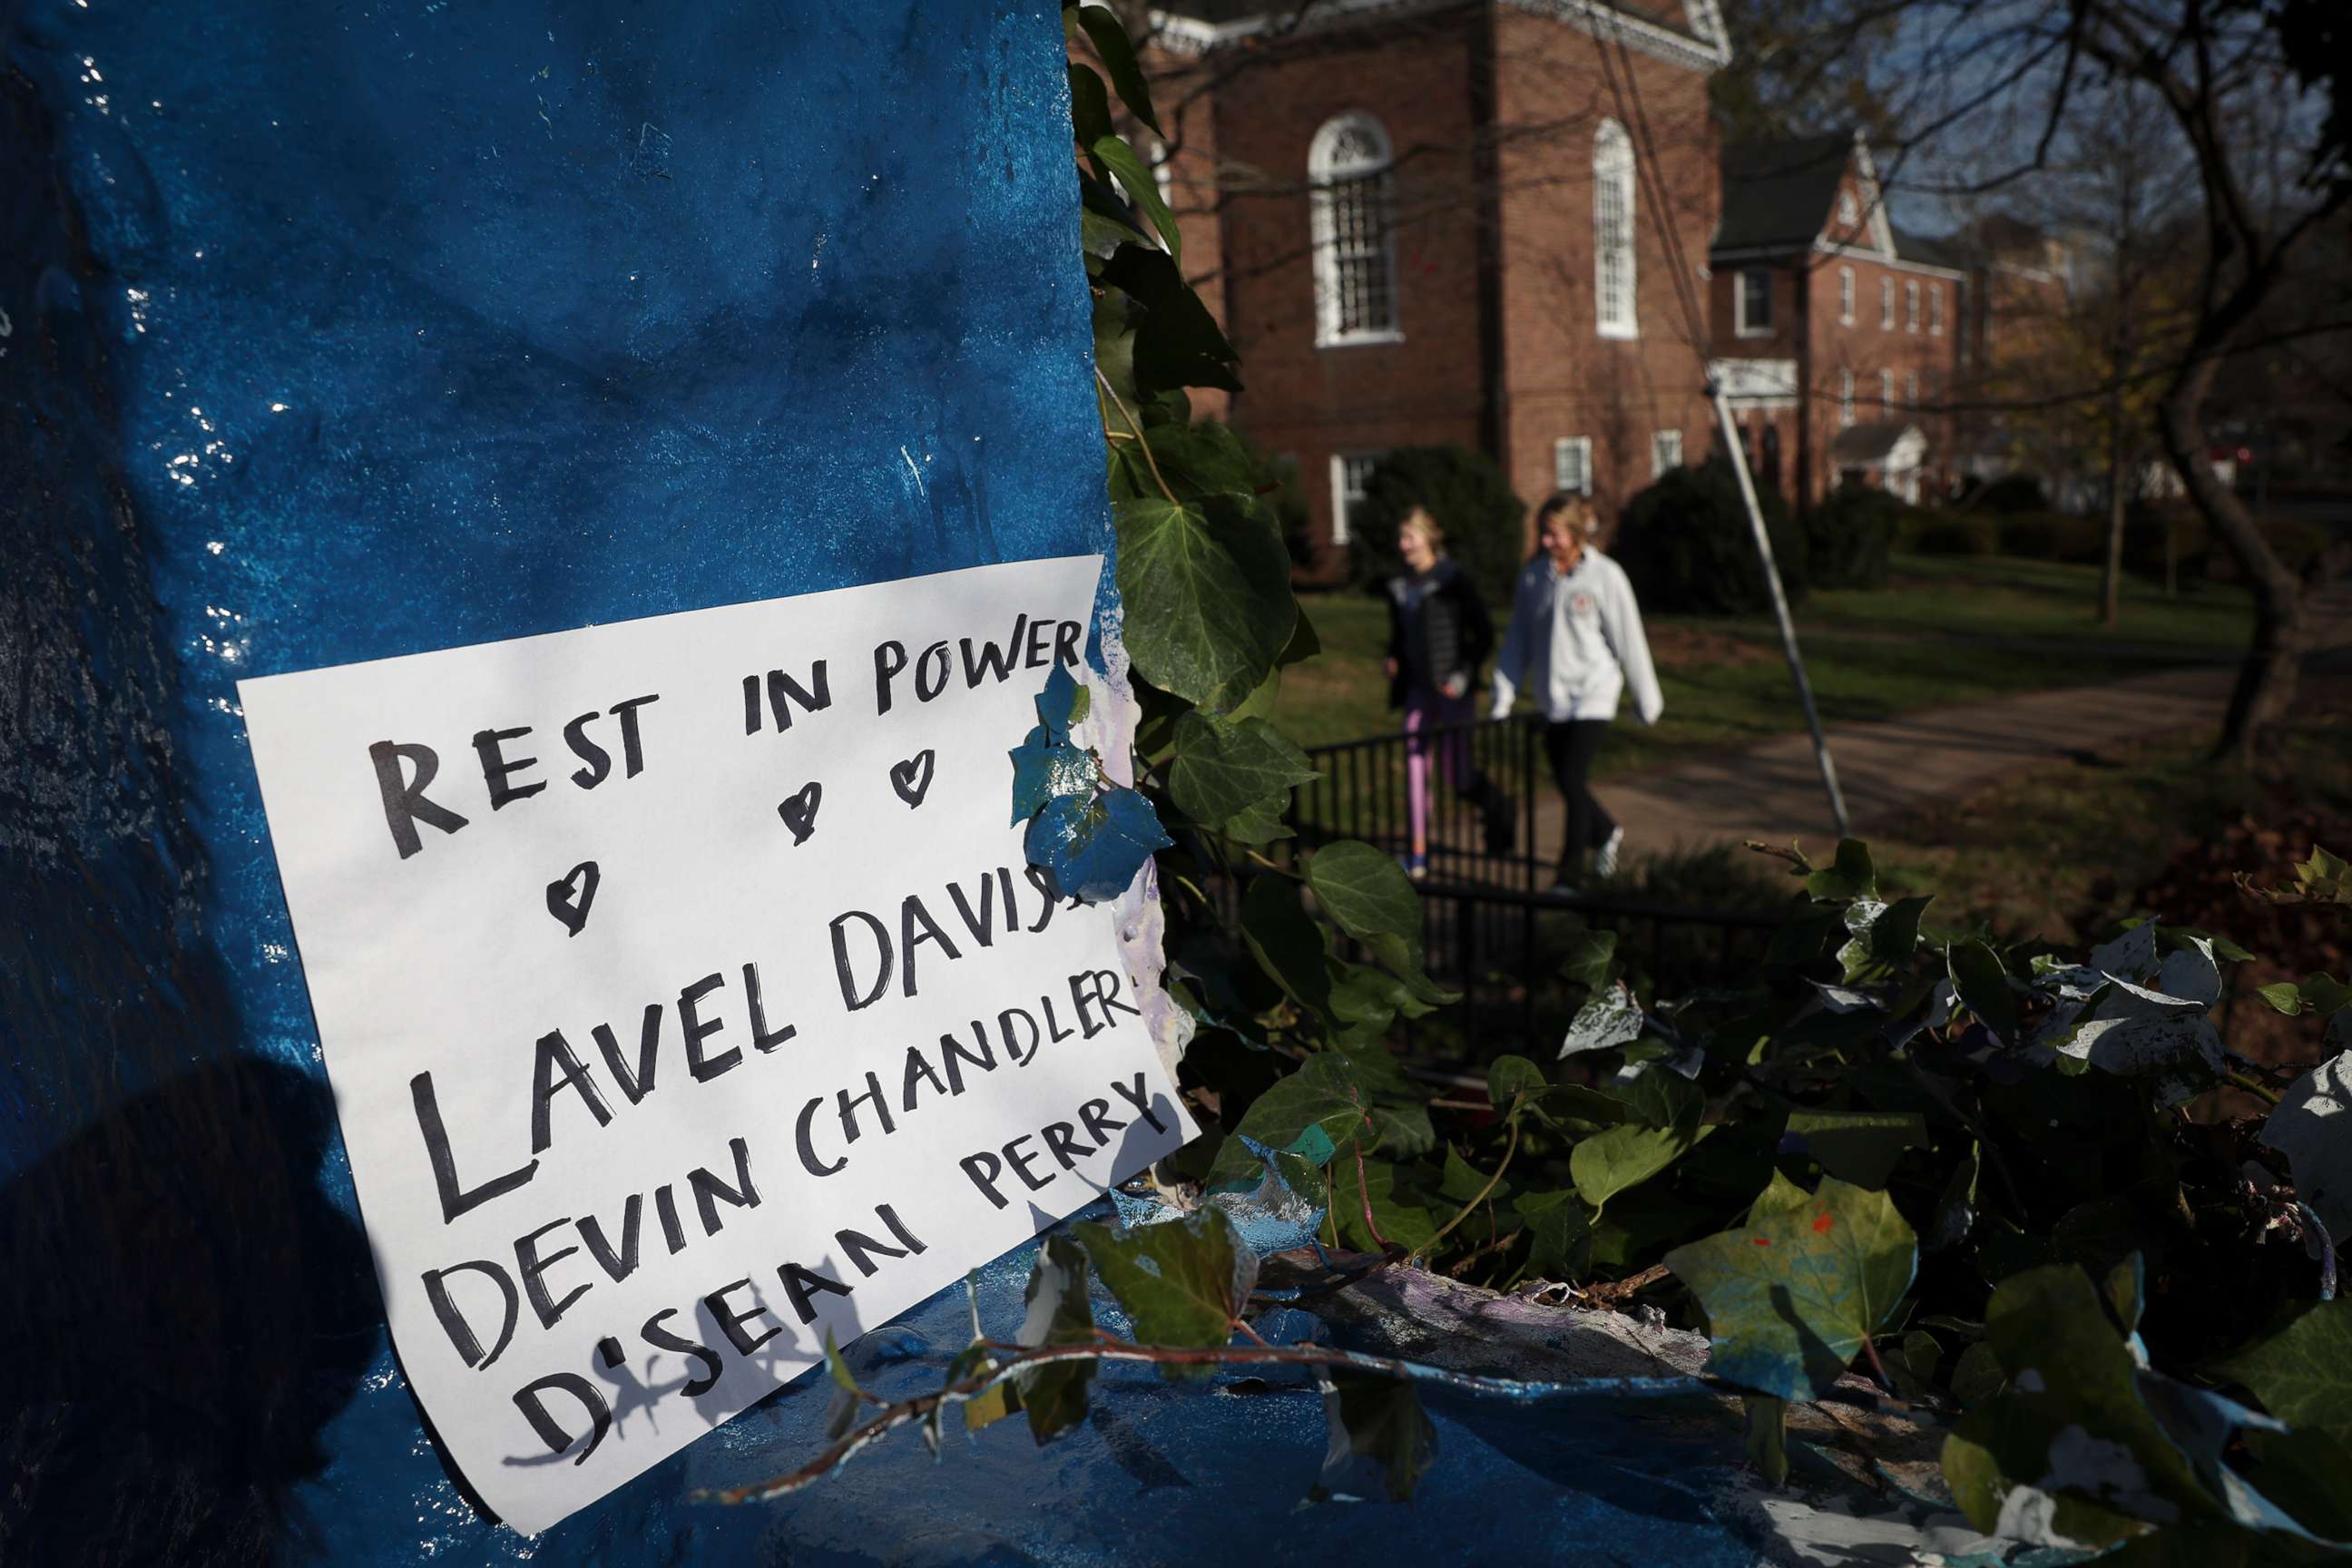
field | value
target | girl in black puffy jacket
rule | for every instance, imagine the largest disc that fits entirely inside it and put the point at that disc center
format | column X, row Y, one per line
column 1439, row 634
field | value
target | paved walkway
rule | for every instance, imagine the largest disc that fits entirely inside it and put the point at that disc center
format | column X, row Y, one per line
column 1891, row 768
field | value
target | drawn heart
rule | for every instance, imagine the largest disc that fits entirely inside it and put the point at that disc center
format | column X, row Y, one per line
column 912, row 778
column 799, row 811
column 568, row 897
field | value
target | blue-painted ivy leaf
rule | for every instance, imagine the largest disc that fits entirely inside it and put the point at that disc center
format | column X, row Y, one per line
column 1275, row 1214
column 1206, row 585
column 1059, row 1314
column 1382, row 1442
column 1095, row 847
column 1183, row 1283
column 2311, row 1126
column 1791, row 1296
column 1044, row 770
column 1061, row 704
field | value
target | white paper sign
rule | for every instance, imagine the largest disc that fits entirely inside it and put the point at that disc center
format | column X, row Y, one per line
column 685, row 994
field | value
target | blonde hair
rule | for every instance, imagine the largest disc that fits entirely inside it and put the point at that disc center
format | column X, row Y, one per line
column 1581, row 515
column 1419, row 521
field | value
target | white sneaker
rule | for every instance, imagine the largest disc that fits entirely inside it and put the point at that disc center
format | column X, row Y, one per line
column 1604, row 859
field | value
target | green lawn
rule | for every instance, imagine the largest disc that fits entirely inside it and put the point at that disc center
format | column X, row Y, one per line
column 1943, row 631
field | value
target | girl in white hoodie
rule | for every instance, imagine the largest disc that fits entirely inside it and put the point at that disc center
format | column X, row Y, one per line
column 1577, row 632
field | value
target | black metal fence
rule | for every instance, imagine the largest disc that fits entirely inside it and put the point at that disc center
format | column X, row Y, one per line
column 1491, row 928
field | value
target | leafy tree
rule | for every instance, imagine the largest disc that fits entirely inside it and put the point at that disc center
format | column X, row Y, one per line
column 1467, row 492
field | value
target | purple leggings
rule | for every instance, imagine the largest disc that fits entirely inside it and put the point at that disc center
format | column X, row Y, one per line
column 1431, row 710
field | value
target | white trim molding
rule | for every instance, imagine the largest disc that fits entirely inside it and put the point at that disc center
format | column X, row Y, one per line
column 1760, row 384
column 1709, row 50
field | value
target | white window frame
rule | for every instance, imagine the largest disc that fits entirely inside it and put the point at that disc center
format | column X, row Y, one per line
column 1886, row 304
column 1845, row 397
column 1616, row 302
column 1665, row 452
column 1849, row 211
column 1911, row 305
column 1343, row 500
column 1338, row 172
column 1742, row 323
column 1886, row 390
column 1936, row 309
column 1571, row 464
column 1845, row 296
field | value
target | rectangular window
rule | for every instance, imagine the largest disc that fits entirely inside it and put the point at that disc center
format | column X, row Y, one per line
column 1936, row 311
column 1886, row 304
column 1911, row 389
column 1752, row 309
column 1351, row 472
column 1362, row 300
column 1571, row 464
column 1665, row 453
column 1845, row 296
column 1911, row 306
column 1845, row 397
column 1886, row 390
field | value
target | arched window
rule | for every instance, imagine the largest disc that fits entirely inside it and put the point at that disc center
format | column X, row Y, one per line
column 1355, row 244
column 1612, row 231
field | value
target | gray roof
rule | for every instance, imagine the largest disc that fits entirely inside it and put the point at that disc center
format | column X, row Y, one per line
column 1869, row 445
column 1777, row 195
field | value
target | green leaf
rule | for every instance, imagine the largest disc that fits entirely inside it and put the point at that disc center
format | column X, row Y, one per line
column 1111, row 42
column 1089, row 106
column 1365, row 892
column 1224, row 769
column 1142, row 187
column 1894, row 935
column 2302, row 1373
column 1183, row 1280
column 1201, row 459
column 1592, row 960
column 2285, row 997
column 1790, row 1299
column 2323, row 994
column 1115, row 323
column 1460, row 1182
column 1260, row 824
column 1779, row 1195
column 1400, row 1211
column 1767, row 1437
column 1316, row 1104
column 1956, row 1211
column 1059, row 1314
column 1850, row 876
column 847, row 1396
column 1609, row 1162
column 1983, row 985
column 1285, row 941
column 1859, row 1146
column 1977, row 1375
column 1207, row 589
column 1379, row 1438
column 1508, row 1077
column 1177, row 342
column 1560, row 1233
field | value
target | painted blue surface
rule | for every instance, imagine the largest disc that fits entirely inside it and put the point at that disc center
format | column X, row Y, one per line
column 342, row 331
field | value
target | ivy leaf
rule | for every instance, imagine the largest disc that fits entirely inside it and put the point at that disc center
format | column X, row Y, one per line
column 1609, row 1019
column 1850, row 876
column 1142, row 187
column 1592, row 960
column 1207, row 589
column 1791, row 1297
column 2303, row 1374
column 1094, row 846
column 1510, row 1077
column 1894, row 935
column 1956, row 1211
column 1183, row 1282
column 1286, row 942
column 1260, row 824
column 1089, row 106
column 841, row 1414
column 1202, row 459
column 1779, row 1195
column 1115, row 318
column 1314, row 1112
column 1110, row 41
column 2311, row 1126
column 1177, row 342
column 1382, row 1442
column 1222, row 769
column 1560, row 1233
column 1983, row 985
column 1609, row 1162
column 1977, row 1376
column 1059, row 1314
column 1857, row 1146
column 1397, row 1208
column 1368, row 896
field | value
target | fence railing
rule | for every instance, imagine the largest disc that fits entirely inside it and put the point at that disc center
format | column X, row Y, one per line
column 1490, row 927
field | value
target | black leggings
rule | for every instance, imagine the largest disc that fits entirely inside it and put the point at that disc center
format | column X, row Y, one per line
column 1572, row 746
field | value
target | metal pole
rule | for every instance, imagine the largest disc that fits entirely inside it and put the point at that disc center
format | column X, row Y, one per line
column 1738, row 456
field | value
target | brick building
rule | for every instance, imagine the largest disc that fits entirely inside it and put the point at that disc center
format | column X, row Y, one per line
column 1837, row 336
column 1424, row 223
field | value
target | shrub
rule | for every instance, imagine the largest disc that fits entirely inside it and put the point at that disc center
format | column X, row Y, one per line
column 1275, row 480
column 2010, row 493
column 2052, row 536
column 1957, row 533
column 1686, row 544
column 1849, row 537
column 1485, row 522
column 2143, row 526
